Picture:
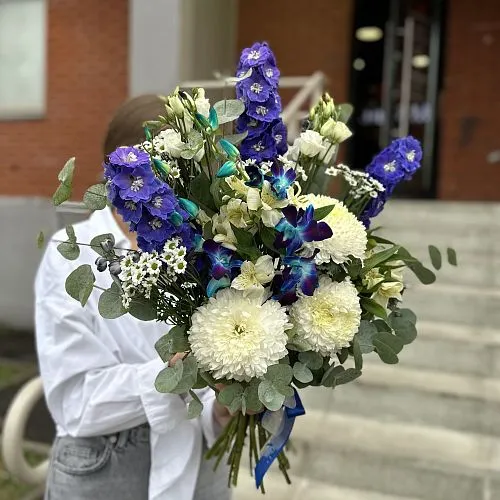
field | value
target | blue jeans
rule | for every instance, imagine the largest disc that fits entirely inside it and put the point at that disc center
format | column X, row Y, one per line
column 116, row 468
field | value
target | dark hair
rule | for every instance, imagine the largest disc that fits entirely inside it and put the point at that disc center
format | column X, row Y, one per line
column 126, row 126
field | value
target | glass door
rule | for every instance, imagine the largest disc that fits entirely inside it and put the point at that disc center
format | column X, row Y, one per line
column 395, row 81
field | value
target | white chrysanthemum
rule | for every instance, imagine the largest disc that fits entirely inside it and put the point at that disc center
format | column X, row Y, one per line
column 237, row 336
column 329, row 319
column 349, row 235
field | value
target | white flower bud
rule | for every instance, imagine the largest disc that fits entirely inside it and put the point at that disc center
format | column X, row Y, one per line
column 176, row 105
column 337, row 132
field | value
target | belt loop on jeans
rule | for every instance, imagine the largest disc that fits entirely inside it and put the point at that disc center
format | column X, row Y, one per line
column 123, row 438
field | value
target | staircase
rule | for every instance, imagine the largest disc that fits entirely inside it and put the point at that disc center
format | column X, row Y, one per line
column 428, row 428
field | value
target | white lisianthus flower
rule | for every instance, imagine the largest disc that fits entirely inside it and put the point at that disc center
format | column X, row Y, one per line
column 388, row 290
column 267, row 203
column 349, row 235
column 236, row 212
column 328, row 320
column 311, row 143
column 337, row 132
column 202, row 103
column 236, row 336
column 169, row 141
column 254, row 275
column 223, row 233
column 330, row 150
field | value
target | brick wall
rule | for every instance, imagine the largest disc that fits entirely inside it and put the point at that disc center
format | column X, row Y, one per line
column 305, row 36
column 470, row 102
column 87, row 80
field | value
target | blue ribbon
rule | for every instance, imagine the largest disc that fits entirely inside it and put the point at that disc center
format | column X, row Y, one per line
column 277, row 441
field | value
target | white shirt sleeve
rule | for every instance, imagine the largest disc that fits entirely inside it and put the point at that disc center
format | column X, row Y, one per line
column 88, row 390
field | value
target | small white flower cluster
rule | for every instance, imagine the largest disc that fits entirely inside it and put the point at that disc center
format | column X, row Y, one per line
column 361, row 182
column 140, row 271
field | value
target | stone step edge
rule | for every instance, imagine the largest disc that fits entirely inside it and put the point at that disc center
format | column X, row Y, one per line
column 458, row 332
column 424, row 380
column 302, row 488
column 456, row 289
column 468, row 453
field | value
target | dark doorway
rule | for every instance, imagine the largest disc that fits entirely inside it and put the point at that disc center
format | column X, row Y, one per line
column 395, row 80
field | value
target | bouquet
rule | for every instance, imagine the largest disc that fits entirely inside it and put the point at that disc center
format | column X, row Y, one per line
column 268, row 285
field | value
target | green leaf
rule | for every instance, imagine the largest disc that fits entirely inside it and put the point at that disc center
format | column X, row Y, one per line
column 174, row 341
column 342, row 355
column 110, row 303
column 373, row 307
column 379, row 258
column 70, row 231
column 169, row 377
column 236, row 138
column 40, row 240
column 251, row 396
column 347, row 376
column 200, row 383
column 387, row 346
column 96, row 197
column 142, row 309
column 228, row 110
column 244, row 237
column 321, row 213
column 345, row 111
column 189, row 376
column 435, row 255
column 95, row 243
column 80, row 283
column 409, row 315
column 354, row 268
column 379, row 239
column 279, row 374
column 268, row 237
column 70, row 251
column 200, row 193
column 329, row 377
column 65, row 176
column 426, row 276
column 367, row 331
column 195, row 406
column 403, row 327
column 302, row 373
column 452, row 256
column 358, row 356
column 313, row 360
column 270, row 396
column 231, row 396
column 62, row 194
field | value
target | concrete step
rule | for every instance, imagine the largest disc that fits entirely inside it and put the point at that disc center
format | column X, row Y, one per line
column 474, row 306
column 302, row 488
column 399, row 459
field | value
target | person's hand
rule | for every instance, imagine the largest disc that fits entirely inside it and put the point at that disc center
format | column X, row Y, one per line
column 176, row 357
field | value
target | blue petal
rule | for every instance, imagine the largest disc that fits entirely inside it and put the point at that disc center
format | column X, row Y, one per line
column 215, row 285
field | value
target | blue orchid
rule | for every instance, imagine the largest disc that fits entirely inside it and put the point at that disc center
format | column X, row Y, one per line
column 301, row 274
column 281, row 180
column 222, row 263
column 298, row 227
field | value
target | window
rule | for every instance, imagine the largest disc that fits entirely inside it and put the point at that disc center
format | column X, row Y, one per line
column 23, row 42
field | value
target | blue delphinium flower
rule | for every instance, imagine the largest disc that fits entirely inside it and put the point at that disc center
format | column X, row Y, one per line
column 300, row 273
column 409, row 153
column 298, row 227
column 267, row 135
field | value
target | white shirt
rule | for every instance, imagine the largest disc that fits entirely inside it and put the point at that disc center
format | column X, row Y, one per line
column 98, row 374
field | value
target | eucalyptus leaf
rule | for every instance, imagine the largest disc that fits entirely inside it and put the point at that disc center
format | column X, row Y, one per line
column 189, row 375
column 452, row 256
column 435, row 255
column 321, row 213
column 40, row 240
column 110, row 303
column 251, row 397
column 174, row 341
column 231, row 395
column 408, row 314
column 279, row 374
column 426, row 276
column 142, row 309
column 347, row 376
column 329, row 377
column 95, row 243
column 345, row 111
column 229, row 110
column 80, row 283
column 358, row 356
column 373, row 307
column 403, row 328
column 387, row 346
column 96, row 197
column 342, row 355
column 313, row 360
column 169, row 377
column 367, row 331
column 70, row 231
column 69, row 250
column 236, row 138
column 302, row 373
column 67, row 172
column 269, row 396
column 195, row 406
column 62, row 194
